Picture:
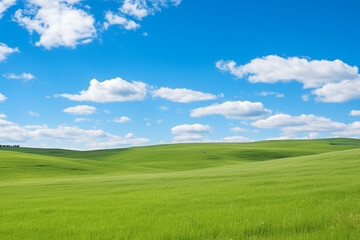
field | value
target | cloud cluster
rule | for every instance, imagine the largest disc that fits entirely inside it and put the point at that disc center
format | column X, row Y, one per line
column 64, row 136
column 24, row 76
column 68, row 22
column 80, row 110
column 136, row 9
column 113, row 90
column 5, row 51
column 4, row 5
column 233, row 110
column 182, row 95
column 312, row 124
column 113, row 19
column 190, row 132
column 120, row 90
column 58, row 22
column 335, row 81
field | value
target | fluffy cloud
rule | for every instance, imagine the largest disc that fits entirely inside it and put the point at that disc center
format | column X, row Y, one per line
column 303, row 123
column 233, row 110
column 122, row 119
column 350, row 130
column 309, row 124
column 339, row 92
column 5, row 51
column 135, row 8
column 64, row 136
column 2, row 98
column 80, row 110
column 182, row 95
column 354, row 113
column 190, row 132
column 272, row 69
column 113, row 19
column 235, row 139
column 113, row 90
column 4, row 5
column 58, row 22
column 24, row 76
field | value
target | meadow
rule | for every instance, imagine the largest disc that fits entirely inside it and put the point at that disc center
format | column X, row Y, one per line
column 291, row 189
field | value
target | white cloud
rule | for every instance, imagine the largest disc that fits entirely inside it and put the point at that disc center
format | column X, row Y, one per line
column 113, row 90
column 113, row 19
column 233, row 110
column 64, row 136
column 80, row 110
column 182, row 95
column 190, row 132
column 291, row 125
column 235, row 139
column 2, row 115
column 272, row 69
column 350, row 130
column 334, row 81
column 238, row 129
column 122, row 119
column 2, row 98
column 354, row 113
column 339, row 92
column 58, row 22
column 4, row 5
column 142, row 8
column 5, row 51
column 24, row 76
column 135, row 8
column 33, row 114
column 309, row 124
column 276, row 94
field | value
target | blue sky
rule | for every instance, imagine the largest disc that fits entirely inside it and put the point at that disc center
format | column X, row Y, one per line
column 117, row 73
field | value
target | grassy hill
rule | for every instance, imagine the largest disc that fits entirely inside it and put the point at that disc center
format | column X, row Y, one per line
column 298, row 189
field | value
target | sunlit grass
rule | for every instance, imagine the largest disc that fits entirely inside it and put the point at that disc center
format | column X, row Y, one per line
column 307, row 197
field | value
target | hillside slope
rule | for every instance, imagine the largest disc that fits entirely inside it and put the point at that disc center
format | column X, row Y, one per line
column 30, row 162
column 298, row 197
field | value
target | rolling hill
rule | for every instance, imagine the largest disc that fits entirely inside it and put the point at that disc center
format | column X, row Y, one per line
column 293, row 189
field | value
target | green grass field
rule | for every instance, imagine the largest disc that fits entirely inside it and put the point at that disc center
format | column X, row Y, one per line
column 294, row 189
